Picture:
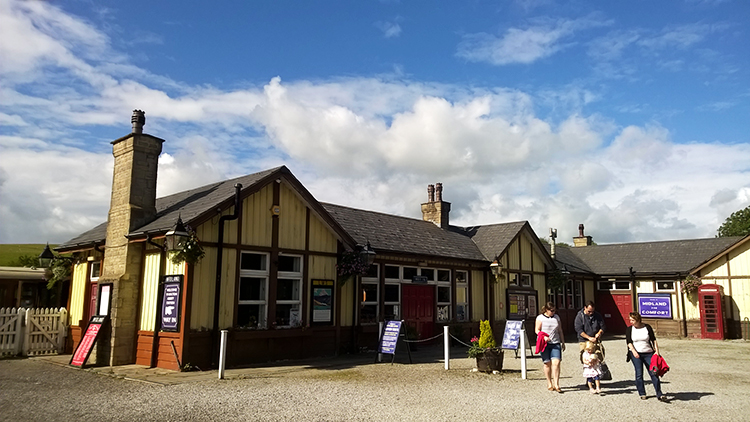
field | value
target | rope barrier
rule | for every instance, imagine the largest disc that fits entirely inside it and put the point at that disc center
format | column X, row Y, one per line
column 454, row 338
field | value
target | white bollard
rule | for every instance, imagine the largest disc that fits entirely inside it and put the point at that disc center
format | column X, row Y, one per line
column 523, row 354
column 447, row 347
column 222, row 353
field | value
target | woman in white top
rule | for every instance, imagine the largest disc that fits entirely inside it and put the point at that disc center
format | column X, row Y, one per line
column 549, row 323
column 642, row 346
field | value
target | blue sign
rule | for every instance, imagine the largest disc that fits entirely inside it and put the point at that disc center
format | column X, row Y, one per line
column 655, row 305
column 390, row 337
column 512, row 334
column 170, row 306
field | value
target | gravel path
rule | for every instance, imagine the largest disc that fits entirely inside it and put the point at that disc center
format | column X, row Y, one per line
column 709, row 380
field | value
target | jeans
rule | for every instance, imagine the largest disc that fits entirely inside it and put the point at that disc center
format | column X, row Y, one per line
column 638, row 364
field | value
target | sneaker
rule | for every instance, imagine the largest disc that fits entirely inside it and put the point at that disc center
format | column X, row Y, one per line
column 598, row 391
column 592, row 391
column 663, row 398
column 643, row 397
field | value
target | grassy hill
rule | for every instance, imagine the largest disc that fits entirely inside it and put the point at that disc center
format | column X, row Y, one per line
column 9, row 254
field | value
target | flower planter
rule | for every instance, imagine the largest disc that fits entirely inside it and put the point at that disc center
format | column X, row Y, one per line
column 490, row 360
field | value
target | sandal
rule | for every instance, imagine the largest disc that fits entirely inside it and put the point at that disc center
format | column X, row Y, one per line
column 643, row 397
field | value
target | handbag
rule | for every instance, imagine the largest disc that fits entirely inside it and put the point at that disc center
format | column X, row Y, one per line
column 606, row 374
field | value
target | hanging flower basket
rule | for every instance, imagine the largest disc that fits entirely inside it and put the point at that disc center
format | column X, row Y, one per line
column 350, row 265
column 191, row 250
column 691, row 284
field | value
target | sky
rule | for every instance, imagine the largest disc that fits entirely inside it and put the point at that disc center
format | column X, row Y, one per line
column 632, row 118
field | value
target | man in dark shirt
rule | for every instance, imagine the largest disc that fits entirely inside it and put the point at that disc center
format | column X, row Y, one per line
column 589, row 325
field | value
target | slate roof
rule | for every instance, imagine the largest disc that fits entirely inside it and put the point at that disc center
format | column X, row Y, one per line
column 663, row 257
column 494, row 239
column 392, row 233
column 190, row 205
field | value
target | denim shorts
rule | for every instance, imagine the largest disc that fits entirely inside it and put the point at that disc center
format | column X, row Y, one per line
column 552, row 351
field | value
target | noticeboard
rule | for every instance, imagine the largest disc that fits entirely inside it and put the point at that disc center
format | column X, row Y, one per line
column 390, row 337
column 512, row 334
column 84, row 348
column 170, row 305
column 321, row 302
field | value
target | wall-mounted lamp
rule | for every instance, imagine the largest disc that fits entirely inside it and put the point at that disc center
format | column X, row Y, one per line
column 497, row 269
column 367, row 254
column 176, row 237
column 47, row 256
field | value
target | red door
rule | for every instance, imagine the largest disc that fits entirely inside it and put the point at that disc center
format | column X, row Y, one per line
column 92, row 299
column 615, row 308
column 418, row 304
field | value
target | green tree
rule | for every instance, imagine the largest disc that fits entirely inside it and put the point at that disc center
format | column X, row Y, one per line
column 737, row 224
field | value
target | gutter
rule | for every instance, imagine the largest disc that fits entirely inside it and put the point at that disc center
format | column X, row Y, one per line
column 219, row 256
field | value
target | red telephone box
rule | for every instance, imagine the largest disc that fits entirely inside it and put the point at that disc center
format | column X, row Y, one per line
column 711, row 300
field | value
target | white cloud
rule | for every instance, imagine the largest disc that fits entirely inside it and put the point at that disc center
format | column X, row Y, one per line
column 389, row 29
column 526, row 45
column 367, row 142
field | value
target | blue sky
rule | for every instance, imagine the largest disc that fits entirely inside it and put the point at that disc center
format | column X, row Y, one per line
column 630, row 117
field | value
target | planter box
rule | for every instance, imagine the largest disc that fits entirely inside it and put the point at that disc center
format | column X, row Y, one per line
column 491, row 360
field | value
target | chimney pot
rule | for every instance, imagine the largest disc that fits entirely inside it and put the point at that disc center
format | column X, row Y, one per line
column 439, row 192
column 580, row 230
column 430, row 193
column 138, row 120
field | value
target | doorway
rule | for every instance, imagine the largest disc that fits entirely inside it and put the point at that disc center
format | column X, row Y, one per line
column 418, row 304
column 616, row 309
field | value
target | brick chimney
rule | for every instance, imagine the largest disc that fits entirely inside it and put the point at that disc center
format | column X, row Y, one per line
column 581, row 240
column 436, row 210
column 133, row 204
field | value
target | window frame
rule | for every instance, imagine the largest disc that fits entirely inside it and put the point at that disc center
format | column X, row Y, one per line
column 263, row 274
column 296, row 277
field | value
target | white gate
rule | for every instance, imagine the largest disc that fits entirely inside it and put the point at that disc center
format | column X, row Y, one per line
column 11, row 331
column 32, row 332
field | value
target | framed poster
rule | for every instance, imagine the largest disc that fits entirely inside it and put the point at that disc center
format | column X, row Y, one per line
column 389, row 337
column 655, row 305
column 170, row 304
column 105, row 297
column 321, row 302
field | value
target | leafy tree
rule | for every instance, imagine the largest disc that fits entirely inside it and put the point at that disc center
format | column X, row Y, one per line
column 737, row 224
column 27, row 261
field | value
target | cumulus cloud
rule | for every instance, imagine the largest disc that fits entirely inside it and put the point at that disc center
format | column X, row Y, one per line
column 389, row 29
column 367, row 142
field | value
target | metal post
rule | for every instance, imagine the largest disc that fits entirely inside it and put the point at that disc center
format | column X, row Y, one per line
column 523, row 352
column 222, row 353
column 447, row 347
column 379, row 358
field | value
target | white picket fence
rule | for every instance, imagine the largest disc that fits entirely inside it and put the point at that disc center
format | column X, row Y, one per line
column 32, row 332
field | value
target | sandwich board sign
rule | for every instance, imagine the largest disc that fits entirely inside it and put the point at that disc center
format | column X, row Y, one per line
column 88, row 340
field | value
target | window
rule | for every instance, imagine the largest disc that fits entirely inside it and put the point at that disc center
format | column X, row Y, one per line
column 663, row 285
column 410, row 272
column 288, row 285
column 513, row 279
column 429, row 273
column 368, row 313
column 96, row 267
column 578, row 294
column 613, row 285
column 251, row 306
column 392, row 299
column 526, row 280
column 569, row 294
column 392, row 272
column 462, row 296
column 444, row 296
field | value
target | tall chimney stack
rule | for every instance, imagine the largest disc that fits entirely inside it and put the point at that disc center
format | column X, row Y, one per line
column 138, row 120
column 582, row 240
column 436, row 210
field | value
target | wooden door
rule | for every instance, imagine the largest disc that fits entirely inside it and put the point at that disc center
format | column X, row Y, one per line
column 615, row 308
column 418, row 303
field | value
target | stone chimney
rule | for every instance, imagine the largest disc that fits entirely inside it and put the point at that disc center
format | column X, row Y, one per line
column 581, row 240
column 436, row 210
column 133, row 204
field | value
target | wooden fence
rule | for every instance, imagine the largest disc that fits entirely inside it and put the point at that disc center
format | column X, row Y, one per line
column 32, row 332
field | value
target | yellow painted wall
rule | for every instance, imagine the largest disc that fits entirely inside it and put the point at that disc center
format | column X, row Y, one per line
column 321, row 237
column 346, row 298
column 78, row 289
column 513, row 256
column 201, row 311
column 257, row 218
column 477, row 296
column 228, row 284
column 292, row 219
column 527, row 254
column 149, row 291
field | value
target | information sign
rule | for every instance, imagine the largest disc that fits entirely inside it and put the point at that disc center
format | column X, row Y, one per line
column 84, row 348
column 512, row 334
column 170, row 306
column 655, row 305
column 390, row 337
column 419, row 279
column 322, row 302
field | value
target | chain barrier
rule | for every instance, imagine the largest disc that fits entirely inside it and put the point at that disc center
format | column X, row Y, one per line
column 422, row 341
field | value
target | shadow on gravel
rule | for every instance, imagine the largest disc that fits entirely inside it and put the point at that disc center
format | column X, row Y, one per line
column 688, row 396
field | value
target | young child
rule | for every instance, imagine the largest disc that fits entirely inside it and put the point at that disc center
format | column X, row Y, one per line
column 592, row 368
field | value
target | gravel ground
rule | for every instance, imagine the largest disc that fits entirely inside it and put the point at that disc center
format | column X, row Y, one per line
column 709, row 380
